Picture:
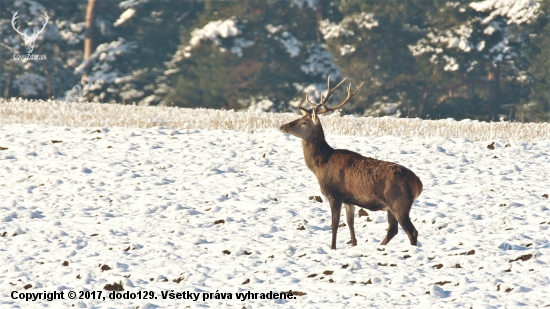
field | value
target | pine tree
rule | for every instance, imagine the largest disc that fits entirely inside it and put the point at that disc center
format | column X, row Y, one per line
column 370, row 42
column 256, row 52
column 537, row 106
column 435, row 59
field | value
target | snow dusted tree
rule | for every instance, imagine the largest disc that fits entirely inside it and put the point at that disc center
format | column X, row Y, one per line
column 369, row 41
column 257, row 54
column 444, row 59
column 483, row 54
column 536, row 107
column 482, row 59
column 131, row 68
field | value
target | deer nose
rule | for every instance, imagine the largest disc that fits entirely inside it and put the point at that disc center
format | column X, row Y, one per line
column 282, row 128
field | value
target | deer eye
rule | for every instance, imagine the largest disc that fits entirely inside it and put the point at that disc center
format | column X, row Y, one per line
column 303, row 123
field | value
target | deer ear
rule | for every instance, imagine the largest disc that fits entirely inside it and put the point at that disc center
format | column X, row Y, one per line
column 303, row 112
column 314, row 116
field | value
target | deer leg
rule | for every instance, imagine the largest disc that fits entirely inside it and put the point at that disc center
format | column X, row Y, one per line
column 392, row 229
column 335, row 208
column 350, row 214
column 407, row 225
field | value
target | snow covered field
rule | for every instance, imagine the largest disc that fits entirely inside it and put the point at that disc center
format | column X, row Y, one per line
column 199, row 211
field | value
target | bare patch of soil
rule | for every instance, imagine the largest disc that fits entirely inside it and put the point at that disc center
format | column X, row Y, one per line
column 114, row 287
column 522, row 258
column 317, row 198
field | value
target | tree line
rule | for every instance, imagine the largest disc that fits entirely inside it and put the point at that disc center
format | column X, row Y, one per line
column 485, row 60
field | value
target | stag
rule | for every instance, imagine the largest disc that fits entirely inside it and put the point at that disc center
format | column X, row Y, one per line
column 28, row 39
column 352, row 179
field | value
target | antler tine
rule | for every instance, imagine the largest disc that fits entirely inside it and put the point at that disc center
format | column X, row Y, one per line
column 350, row 95
column 308, row 101
column 300, row 106
column 44, row 24
column 331, row 91
column 355, row 92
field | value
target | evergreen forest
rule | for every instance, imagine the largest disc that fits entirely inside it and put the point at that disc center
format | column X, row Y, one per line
column 466, row 59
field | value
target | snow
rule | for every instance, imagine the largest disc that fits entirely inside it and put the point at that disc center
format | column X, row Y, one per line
column 517, row 11
column 131, row 3
column 362, row 20
column 272, row 29
column 301, row 3
column 347, row 49
column 480, row 45
column 386, row 109
column 457, row 37
column 263, row 105
column 291, row 44
column 451, row 63
column 320, row 62
column 239, row 44
column 131, row 94
column 213, row 30
column 332, row 30
column 158, row 205
column 125, row 16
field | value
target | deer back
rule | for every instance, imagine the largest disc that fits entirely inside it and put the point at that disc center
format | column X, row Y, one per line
column 351, row 177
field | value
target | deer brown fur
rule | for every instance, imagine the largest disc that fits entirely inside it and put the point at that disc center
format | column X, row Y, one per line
column 354, row 180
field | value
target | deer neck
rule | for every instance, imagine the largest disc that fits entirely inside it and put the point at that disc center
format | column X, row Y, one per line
column 316, row 151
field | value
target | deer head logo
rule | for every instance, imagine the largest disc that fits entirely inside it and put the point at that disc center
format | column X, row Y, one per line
column 29, row 39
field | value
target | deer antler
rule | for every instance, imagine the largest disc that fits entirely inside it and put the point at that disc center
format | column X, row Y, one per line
column 35, row 34
column 329, row 94
column 15, row 16
column 300, row 106
column 24, row 34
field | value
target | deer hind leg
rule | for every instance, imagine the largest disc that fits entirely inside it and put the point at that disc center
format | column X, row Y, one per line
column 335, row 208
column 350, row 214
column 392, row 229
column 400, row 203
column 407, row 225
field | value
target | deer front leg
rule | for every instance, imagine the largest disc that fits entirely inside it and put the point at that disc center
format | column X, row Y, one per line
column 335, row 208
column 350, row 214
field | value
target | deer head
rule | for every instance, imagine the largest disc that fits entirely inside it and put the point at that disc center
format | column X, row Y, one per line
column 309, row 126
column 28, row 39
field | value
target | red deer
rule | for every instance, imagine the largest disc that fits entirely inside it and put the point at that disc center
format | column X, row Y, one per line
column 350, row 178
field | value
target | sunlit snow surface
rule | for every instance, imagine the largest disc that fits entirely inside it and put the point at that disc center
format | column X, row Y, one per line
column 146, row 202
